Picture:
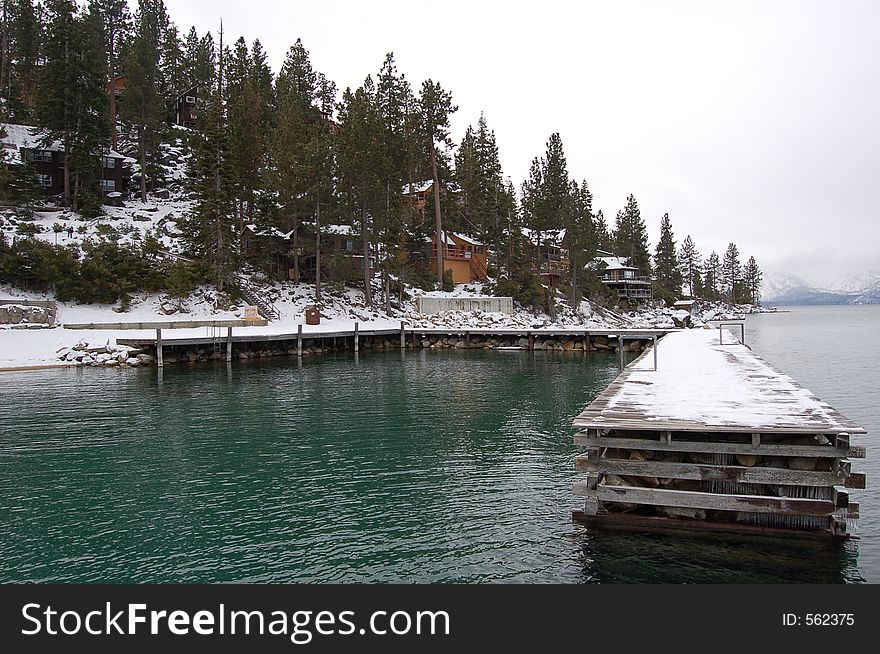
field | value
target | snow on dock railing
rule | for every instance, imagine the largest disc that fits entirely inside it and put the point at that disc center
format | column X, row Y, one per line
column 716, row 439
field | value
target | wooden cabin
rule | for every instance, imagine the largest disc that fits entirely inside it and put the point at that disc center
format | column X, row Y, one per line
column 463, row 255
column 186, row 108
column 617, row 273
column 548, row 254
column 24, row 145
column 339, row 245
column 417, row 195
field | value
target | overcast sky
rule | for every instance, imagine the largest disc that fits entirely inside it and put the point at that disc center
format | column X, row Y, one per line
column 751, row 122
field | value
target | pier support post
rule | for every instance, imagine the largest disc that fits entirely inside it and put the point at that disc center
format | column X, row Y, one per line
column 229, row 343
column 402, row 336
column 299, row 340
column 620, row 352
column 356, row 337
column 531, row 341
column 654, row 346
column 467, row 340
column 586, row 341
column 159, row 358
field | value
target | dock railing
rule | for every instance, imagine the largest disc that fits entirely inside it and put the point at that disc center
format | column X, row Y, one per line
column 742, row 332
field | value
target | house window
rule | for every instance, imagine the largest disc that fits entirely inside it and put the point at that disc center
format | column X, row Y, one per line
column 190, row 99
column 108, row 185
column 44, row 180
column 628, row 274
column 109, row 162
column 43, row 156
column 349, row 245
column 478, row 249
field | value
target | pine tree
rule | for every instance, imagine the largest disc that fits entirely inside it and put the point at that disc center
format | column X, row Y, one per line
column 393, row 93
column 290, row 147
column 752, row 279
column 732, row 272
column 712, row 276
column 71, row 105
column 144, row 107
column 691, row 265
column 199, row 61
column 358, row 148
column 115, row 26
column 20, row 35
column 604, row 240
column 172, row 70
column 246, row 125
column 530, row 198
column 478, row 173
column 211, row 228
column 580, row 234
column 666, row 266
column 434, row 109
column 263, row 81
column 631, row 236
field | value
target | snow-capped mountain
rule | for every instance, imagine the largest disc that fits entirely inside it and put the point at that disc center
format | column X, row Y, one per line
column 785, row 289
column 855, row 283
column 778, row 285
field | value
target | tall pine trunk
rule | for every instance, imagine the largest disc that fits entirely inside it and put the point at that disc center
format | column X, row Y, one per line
column 437, row 218
column 142, row 154
column 318, row 251
column 66, row 170
column 113, row 135
column 368, row 299
column 295, row 250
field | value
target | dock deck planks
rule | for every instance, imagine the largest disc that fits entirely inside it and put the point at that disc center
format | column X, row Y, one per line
column 703, row 386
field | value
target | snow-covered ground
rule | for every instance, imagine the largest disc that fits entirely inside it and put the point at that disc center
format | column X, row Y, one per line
column 25, row 346
column 32, row 345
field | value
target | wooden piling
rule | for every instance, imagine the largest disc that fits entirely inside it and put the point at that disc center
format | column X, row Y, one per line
column 402, row 336
column 760, row 455
column 159, row 358
column 531, row 339
column 229, row 343
column 299, row 340
column 356, row 336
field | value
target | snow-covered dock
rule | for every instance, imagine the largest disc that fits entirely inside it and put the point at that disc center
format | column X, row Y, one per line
column 367, row 335
column 715, row 438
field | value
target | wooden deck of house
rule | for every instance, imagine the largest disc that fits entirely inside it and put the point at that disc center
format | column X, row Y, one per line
column 715, row 439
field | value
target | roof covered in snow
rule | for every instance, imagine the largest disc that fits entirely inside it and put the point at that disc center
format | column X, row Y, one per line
column 338, row 230
column 613, row 263
column 422, row 187
column 466, row 239
column 548, row 237
column 269, row 231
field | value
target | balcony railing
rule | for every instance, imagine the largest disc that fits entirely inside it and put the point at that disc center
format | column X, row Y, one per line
column 625, row 280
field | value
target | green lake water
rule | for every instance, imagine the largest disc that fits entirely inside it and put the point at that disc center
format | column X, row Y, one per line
column 423, row 467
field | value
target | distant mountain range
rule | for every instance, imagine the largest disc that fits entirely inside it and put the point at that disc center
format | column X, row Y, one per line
column 784, row 289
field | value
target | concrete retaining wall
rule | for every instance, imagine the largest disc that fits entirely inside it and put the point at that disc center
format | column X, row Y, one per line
column 485, row 304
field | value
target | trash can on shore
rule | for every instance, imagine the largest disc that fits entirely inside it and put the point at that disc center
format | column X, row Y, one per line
column 313, row 316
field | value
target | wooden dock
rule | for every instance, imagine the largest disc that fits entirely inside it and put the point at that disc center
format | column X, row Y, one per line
column 715, row 439
column 363, row 337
